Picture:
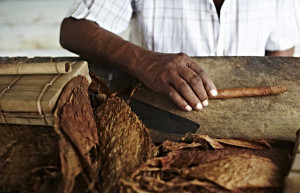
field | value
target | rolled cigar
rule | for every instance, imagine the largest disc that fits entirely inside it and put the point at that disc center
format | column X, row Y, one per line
column 248, row 92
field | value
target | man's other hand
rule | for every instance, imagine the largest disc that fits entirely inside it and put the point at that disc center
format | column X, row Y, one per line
column 177, row 76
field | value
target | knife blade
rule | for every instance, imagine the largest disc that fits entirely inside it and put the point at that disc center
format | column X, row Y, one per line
column 162, row 124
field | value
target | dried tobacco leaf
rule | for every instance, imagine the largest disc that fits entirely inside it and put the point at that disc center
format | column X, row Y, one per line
column 164, row 174
column 191, row 140
column 78, row 144
column 135, row 87
column 247, row 143
column 151, row 177
column 125, row 142
column 98, row 91
column 212, row 142
column 171, row 146
column 238, row 171
column 177, row 184
column 201, row 140
column 97, row 83
column 29, row 159
column 184, row 158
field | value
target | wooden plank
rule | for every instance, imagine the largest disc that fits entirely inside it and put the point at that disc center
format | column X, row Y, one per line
column 275, row 117
column 296, row 157
column 292, row 184
column 292, row 181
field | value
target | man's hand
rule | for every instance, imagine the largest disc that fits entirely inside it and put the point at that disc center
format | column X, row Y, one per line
column 177, row 76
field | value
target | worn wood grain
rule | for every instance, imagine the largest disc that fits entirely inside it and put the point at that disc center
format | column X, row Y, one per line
column 275, row 117
column 292, row 181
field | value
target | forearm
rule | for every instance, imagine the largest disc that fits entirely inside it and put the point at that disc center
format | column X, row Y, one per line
column 288, row 52
column 99, row 46
column 175, row 75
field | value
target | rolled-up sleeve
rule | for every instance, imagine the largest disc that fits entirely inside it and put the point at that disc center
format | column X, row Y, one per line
column 112, row 15
column 286, row 31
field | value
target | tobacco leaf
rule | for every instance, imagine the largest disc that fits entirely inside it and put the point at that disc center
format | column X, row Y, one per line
column 201, row 140
column 125, row 142
column 78, row 143
column 217, row 143
column 29, row 160
column 238, row 171
column 171, row 146
column 134, row 88
column 164, row 174
column 178, row 184
column 98, row 91
column 191, row 140
column 247, row 143
column 211, row 141
column 262, row 190
column 185, row 158
column 152, row 177
column 97, row 83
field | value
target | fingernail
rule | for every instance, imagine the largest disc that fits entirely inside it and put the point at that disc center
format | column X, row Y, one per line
column 188, row 108
column 205, row 103
column 199, row 106
column 214, row 92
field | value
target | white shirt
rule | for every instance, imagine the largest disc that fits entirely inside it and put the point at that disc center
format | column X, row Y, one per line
column 245, row 27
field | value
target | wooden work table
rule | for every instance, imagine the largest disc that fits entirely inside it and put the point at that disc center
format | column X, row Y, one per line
column 276, row 117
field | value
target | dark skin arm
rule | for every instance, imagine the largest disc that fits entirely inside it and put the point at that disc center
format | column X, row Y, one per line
column 175, row 75
column 288, row 52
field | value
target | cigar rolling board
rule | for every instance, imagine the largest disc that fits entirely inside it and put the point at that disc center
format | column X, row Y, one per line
column 275, row 117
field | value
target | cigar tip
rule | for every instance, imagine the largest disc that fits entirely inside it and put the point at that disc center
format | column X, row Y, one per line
column 279, row 89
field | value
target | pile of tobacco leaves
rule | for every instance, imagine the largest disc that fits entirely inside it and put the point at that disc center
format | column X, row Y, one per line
column 99, row 145
column 213, row 165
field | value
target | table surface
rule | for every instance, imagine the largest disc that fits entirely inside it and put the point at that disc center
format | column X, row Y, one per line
column 276, row 117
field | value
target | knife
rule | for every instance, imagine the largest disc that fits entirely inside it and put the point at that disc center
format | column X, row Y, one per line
column 162, row 124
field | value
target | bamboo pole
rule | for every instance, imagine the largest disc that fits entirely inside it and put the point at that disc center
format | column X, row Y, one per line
column 27, row 120
column 36, row 68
